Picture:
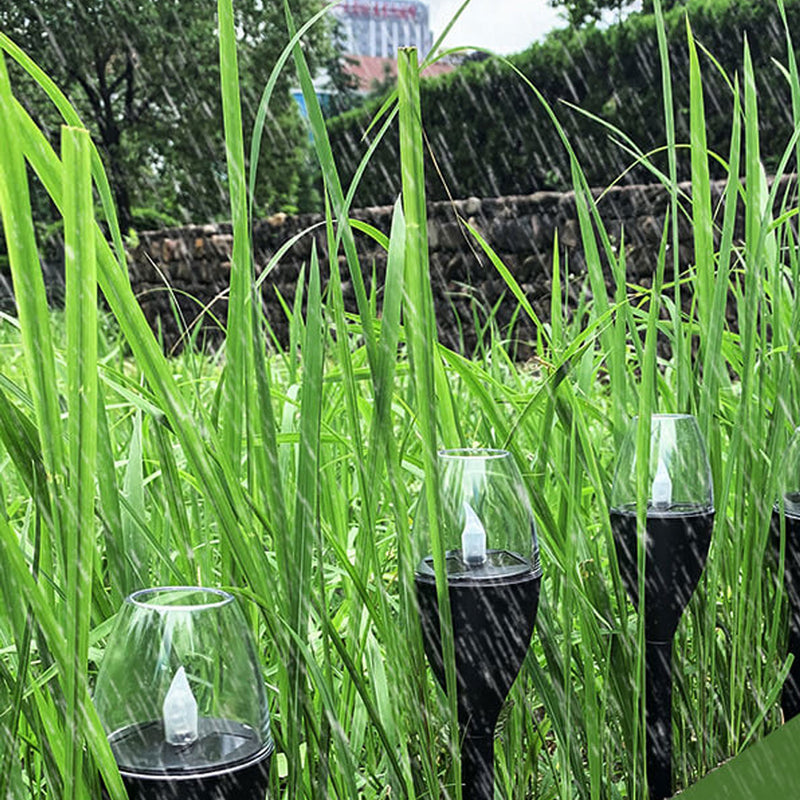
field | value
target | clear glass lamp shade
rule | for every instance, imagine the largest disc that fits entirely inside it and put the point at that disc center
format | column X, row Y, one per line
column 180, row 687
column 486, row 521
column 679, row 477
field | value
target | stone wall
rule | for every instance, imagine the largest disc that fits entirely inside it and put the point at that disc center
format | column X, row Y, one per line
column 195, row 261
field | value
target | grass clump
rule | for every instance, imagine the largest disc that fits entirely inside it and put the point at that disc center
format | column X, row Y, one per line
column 292, row 477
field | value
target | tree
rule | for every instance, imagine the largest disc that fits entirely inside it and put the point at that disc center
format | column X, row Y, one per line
column 581, row 12
column 144, row 75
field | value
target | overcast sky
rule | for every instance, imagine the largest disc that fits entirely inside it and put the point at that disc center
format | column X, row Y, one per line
column 505, row 26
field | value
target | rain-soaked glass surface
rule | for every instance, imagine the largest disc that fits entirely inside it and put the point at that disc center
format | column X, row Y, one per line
column 181, row 696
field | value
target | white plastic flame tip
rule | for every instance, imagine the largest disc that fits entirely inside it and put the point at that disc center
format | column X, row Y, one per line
column 473, row 538
column 662, row 487
column 180, row 712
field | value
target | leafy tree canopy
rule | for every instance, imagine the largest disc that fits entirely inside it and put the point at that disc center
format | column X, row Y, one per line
column 581, row 12
column 144, row 75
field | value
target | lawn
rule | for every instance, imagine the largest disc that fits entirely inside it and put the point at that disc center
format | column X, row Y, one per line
column 292, row 478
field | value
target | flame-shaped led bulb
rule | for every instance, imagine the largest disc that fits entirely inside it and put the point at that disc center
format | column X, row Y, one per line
column 662, row 487
column 473, row 539
column 180, row 712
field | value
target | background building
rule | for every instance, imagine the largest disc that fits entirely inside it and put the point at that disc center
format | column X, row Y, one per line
column 378, row 27
column 368, row 37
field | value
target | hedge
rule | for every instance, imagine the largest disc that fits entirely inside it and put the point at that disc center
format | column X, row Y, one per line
column 490, row 135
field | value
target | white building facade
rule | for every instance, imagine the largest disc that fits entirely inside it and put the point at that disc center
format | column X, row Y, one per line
column 379, row 27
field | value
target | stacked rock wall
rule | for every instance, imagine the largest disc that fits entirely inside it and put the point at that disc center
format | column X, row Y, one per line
column 194, row 262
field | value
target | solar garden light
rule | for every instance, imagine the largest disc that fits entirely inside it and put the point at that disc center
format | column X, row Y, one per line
column 493, row 577
column 680, row 517
column 182, row 700
column 788, row 505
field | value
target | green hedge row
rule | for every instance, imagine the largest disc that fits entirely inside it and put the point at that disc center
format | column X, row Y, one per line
column 490, row 136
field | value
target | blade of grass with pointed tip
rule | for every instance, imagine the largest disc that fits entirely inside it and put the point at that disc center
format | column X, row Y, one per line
column 71, row 117
column 702, row 225
column 266, row 97
column 388, row 340
column 382, row 440
column 681, row 345
column 32, row 309
column 334, row 187
column 742, row 447
column 239, row 339
column 714, row 367
column 421, row 335
column 509, row 280
column 366, row 551
column 82, row 397
column 301, row 545
column 200, row 445
column 20, row 582
column 793, row 72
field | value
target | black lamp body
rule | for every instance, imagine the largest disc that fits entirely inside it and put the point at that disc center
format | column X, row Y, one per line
column 493, row 619
column 226, row 763
column 790, row 696
column 676, row 549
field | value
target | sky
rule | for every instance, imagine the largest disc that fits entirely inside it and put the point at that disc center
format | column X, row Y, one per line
column 505, row 26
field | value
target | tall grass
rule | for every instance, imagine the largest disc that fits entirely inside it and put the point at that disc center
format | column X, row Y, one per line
column 291, row 477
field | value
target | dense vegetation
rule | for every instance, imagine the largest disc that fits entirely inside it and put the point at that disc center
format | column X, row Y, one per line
column 144, row 76
column 490, row 135
column 293, row 477
column 579, row 12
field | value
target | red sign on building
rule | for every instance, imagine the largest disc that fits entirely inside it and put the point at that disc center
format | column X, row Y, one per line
column 379, row 9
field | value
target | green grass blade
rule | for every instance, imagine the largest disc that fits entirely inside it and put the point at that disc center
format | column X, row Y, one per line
column 702, row 225
column 298, row 580
column 110, row 511
column 334, row 188
column 21, row 441
column 714, row 367
column 421, row 335
column 794, row 76
column 239, row 339
column 137, row 556
column 71, row 117
column 388, row 340
column 31, row 301
column 200, row 445
column 21, row 584
column 82, row 397
column 681, row 345
column 266, row 96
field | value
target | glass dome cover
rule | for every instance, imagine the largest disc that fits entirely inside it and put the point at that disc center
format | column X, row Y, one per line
column 486, row 521
column 180, row 689
column 679, row 478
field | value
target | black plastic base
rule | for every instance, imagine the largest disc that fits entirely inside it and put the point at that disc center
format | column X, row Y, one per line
column 248, row 781
column 477, row 767
column 790, row 697
column 492, row 629
column 658, row 709
column 676, row 549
